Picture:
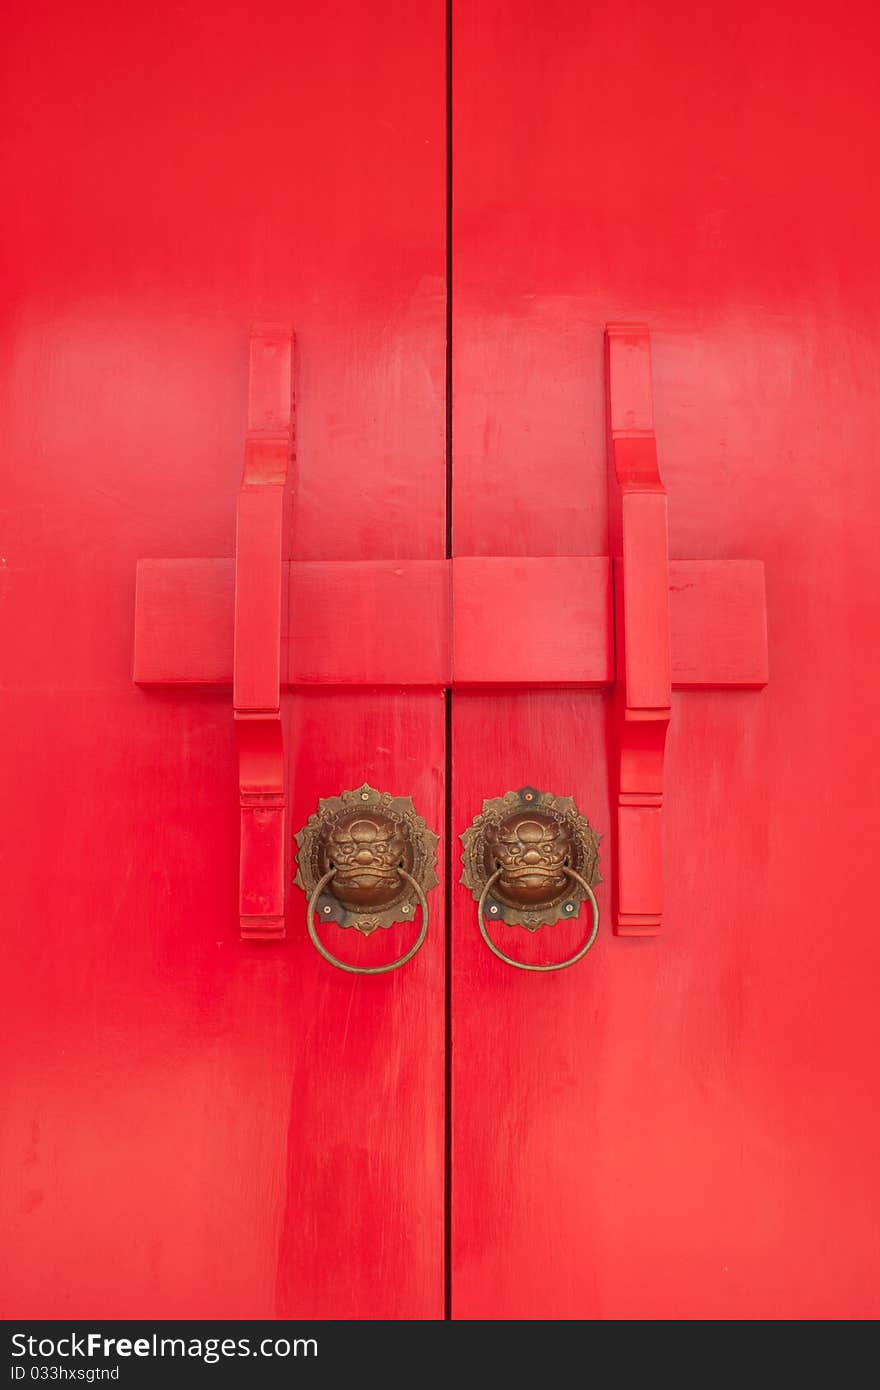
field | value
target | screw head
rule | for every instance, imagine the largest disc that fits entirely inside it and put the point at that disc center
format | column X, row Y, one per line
column 493, row 909
column 328, row 909
column 407, row 907
column 569, row 907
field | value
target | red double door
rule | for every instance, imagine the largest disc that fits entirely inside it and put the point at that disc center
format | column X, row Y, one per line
column 680, row 1126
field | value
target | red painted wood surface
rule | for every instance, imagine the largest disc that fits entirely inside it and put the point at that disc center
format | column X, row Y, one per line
column 718, row 624
column 409, row 623
column 193, row 1125
column 402, row 628
column 535, row 621
column 678, row 1127
column 640, row 545
column 259, row 595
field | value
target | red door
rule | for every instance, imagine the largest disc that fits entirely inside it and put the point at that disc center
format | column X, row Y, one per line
column 472, row 595
column 197, row 1125
column 678, row 1127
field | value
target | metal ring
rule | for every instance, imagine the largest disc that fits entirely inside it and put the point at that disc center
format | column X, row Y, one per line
column 521, row 965
column 366, row 969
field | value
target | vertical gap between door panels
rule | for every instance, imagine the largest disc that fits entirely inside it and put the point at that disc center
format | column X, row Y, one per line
column 447, row 1088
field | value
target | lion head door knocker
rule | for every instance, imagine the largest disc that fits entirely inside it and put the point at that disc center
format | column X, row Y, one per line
column 531, row 859
column 366, row 860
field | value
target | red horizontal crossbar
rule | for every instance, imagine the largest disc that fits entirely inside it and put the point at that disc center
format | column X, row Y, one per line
column 449, row 622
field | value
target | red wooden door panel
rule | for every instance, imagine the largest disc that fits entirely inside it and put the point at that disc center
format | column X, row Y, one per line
column 677, row 1127
column 192, row 1125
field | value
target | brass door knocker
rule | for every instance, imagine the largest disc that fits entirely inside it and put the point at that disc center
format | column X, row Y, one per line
column 366, row 860
column 531, row 859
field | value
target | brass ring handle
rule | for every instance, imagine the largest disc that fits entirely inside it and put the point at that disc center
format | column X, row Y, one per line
column 365, row 969
column 521, row 965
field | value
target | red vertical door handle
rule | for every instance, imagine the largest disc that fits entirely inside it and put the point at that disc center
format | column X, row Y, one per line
column 258, row 618
column 641, row 560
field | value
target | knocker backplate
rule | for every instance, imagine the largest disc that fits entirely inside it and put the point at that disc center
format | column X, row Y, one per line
column 366, row 836
column 530, row 838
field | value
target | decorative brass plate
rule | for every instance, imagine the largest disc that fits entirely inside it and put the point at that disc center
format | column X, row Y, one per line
column 529, row 839
column 366, row 837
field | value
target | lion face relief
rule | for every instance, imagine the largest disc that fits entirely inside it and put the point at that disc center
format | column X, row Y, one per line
column 366, row 849
column 531, row 850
